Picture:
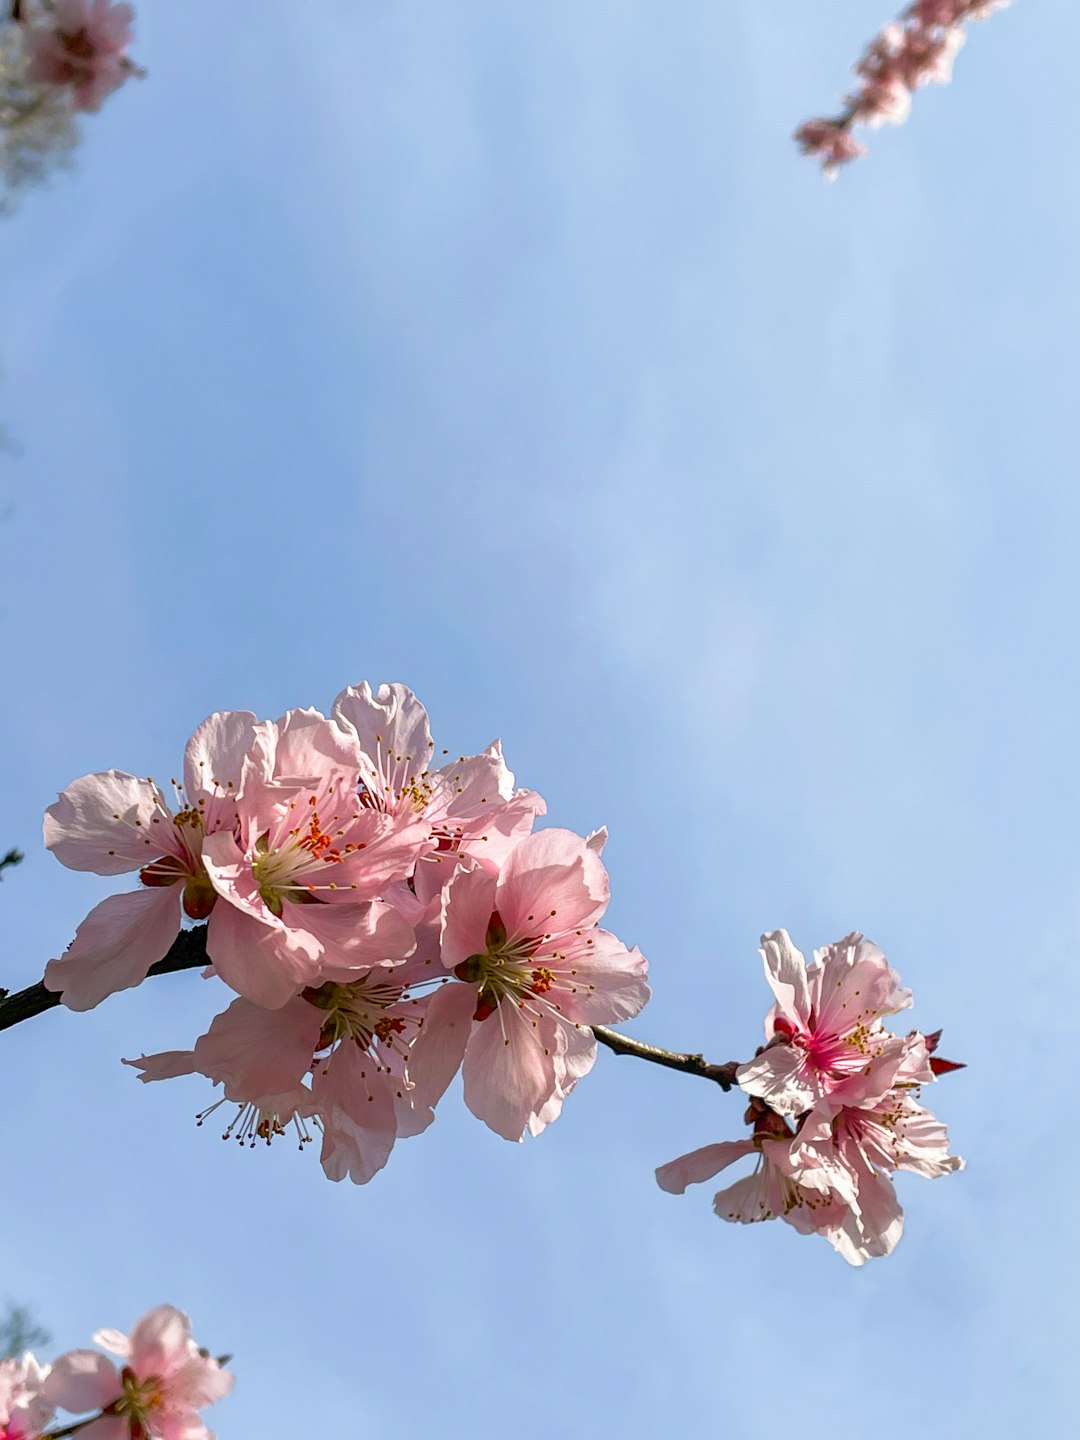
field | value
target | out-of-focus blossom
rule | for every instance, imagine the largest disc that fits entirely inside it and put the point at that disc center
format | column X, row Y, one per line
column 24, row 1409
column 158, row 1391
column 81, row 45
column 916, row 49
column 830, row 141
column 37, row 125
column 535, row 974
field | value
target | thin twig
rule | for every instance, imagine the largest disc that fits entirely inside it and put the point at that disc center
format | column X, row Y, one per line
column 723, row 1075
column 188, row 952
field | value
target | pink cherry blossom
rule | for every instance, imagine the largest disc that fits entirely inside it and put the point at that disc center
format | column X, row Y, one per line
column 111, row 823
column 81, row 44
column 268, row 822
column 536, row 973
column 768, row 1193
column 24, row 1410
column 916, row 49
column 352, row 1040
column 826, row 1025
column 470, row 805
column 868, row 1143
column 166, row 1379
column 830, row 141
column 303, row 863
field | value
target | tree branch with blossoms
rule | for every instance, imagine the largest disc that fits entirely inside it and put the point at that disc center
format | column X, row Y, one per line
column 164, row 1381
column 916, row 49
column 387, row 918
column 57, row 58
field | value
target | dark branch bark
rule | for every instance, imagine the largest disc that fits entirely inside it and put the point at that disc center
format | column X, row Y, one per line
column 723, row 1075
column 188, row 952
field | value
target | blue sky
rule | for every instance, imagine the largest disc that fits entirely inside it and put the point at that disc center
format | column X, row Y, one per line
column 509, row 351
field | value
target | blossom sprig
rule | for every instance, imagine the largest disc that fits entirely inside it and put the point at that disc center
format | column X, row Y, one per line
column 384, row 917
column 916, row 49
column 834, row 1106
column 57, row 58
column 164, row 1381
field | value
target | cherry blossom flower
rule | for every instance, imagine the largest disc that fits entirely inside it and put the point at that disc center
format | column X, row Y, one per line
column 268, row 821
column 112, row 823
column 770, row 1192
column 470, row 805
column 305, row 858
column 351, row 1039
column 24, row 1410
column 916, row 49
column 37, row 125
column 832, row 142
column 165, row 1380
column 826, row 1025
column 81, row 45
column 535, row 974
column 868, row 1143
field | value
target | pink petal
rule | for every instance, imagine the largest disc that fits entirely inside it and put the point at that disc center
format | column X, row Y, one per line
column 745, row 1202
column 785, row 970
column 115, row 946
column 115, row 1341
column 166, row 1065
column 437, row 1054
column 610, row 982
column 782, row 1077
column 508, row 1078
column 392, row 730
column 467, row 908
column 103, row 823
column 214, row 756
column 267, row 966
column 353, row 938
column 160, row 1341
column 199, row 1381
column 552, row 880
column 574, row 1052
column 701, row 1165
column 82, row 1380
column 356, row 1101
column 253, row 1051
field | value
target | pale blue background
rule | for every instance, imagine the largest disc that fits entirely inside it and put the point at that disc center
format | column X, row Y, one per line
column 509, row 350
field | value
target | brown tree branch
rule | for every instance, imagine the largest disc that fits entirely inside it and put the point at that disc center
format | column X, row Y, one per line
column 723, row 1075
column 188, row 952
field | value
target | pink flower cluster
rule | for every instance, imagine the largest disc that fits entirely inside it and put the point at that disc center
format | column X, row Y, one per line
column 81, row 45
column 917, row 49
column 164, row 1381
column 834, row 1104
column 383, row 919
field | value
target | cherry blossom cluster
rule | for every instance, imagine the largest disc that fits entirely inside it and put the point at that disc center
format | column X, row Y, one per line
column 57, row 57
column 162, row 1383
column 384, row 919
column 834, row 1104
column 914, row 50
